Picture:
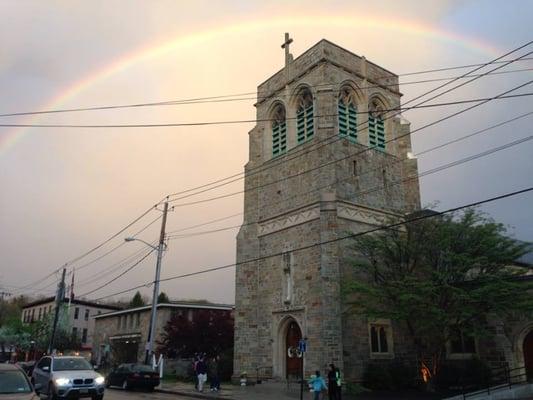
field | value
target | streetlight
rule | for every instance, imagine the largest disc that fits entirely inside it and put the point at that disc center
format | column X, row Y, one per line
column 160, row 247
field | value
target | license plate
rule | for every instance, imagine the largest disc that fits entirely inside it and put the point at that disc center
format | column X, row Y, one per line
column 84, row 391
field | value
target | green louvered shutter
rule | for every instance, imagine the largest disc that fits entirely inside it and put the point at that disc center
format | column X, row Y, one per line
column 343, row 120
column 309, row 122
column 279, row 139
column 380, row 133
column 283, row 137
column 376, row 132
column 352, row 123
column 300, row 126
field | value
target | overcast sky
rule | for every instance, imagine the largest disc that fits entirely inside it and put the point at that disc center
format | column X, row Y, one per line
column 64, row 191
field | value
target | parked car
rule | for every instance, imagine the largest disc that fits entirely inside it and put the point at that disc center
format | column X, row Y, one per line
column 129, row 376
column 73, row 377
column 27, row 366
column 14, row 384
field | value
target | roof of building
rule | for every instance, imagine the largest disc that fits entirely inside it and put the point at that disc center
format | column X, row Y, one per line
column 527, row 258
column 324, row 43
column 180, row 304
column 74, row 301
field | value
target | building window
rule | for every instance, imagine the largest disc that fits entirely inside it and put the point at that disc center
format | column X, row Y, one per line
column 33, row 315
column 40, row 313
column 305, row 128
column 376, row 125
column 74, row 333
column 462, row 345
column 279, row 131
column 138, row 320
column 84, row 335
column 380, row 335
column 76, row 313
column 347, row 111
column 86, row 314
column 286, row 261
column 119, row 321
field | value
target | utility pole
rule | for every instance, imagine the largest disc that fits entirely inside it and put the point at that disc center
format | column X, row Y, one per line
column 59, row 299
column 153, row 316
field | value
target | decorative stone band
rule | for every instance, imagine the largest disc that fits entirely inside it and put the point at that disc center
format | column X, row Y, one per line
column 288, row 221
column 345, row 210
column 365, row 215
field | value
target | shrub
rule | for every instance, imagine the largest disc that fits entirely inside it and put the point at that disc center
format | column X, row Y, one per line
column 468, row 374
column 377, row 377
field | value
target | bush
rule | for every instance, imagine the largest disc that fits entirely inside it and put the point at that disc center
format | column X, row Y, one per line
column 377, row 377
column 390, row 376
column 468, row 374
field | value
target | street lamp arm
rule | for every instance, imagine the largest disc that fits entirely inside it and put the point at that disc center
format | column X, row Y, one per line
column 131, row 239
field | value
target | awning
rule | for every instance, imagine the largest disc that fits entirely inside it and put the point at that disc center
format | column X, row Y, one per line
column 129, row 336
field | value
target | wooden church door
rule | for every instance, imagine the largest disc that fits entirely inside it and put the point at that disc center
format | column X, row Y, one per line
column 294, row 334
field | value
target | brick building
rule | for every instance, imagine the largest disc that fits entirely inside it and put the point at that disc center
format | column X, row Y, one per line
column 121, row 336
column 78, row 318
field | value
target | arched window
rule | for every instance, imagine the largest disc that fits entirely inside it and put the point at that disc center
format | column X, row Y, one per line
column 279, row 131
column 304, row 116
column 347, row 111
column 376, row 125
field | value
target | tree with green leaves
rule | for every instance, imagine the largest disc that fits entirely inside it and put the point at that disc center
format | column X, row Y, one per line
column 162, row 298
column 438, row 277
column 137, row 300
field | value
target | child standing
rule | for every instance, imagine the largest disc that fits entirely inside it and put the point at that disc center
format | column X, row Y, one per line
column 318, row 384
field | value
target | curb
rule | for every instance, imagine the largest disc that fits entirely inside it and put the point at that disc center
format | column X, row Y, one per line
column 196, row 395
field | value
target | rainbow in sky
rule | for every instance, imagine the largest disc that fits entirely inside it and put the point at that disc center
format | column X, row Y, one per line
column 10, row 137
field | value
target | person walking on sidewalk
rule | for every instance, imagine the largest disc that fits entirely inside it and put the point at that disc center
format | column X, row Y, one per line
column 201, row 371
column 213, row 374
column 332, row 382
column 339, row 383
column 318, row 385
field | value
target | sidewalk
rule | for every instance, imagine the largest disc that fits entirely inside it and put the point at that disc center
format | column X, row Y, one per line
column 264, row 391
column 278, row 391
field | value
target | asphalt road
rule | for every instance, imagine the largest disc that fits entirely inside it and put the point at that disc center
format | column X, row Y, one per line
column 119, row 394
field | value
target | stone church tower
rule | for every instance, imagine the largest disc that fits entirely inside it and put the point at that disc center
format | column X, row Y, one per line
column 323, row 161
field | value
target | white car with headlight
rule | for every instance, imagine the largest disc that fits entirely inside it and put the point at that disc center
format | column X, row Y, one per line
column 73, row 377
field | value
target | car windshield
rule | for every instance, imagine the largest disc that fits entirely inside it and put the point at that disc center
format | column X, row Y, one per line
column 13, row 382
column 71, row 364
column 142, row 368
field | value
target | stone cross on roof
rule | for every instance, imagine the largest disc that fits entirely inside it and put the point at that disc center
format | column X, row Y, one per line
column 285, row 45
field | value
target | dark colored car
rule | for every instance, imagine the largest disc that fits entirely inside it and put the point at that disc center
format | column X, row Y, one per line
column 14, row 384
column 129, row 376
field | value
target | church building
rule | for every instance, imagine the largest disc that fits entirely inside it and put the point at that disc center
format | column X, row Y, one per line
column 327, row 157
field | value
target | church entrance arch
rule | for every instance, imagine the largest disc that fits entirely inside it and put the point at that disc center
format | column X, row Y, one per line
column 293, row 337
column 528, row 354
column 287, row 334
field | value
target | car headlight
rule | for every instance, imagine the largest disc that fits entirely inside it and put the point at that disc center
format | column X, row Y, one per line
column 62, row 381
column 99, row 380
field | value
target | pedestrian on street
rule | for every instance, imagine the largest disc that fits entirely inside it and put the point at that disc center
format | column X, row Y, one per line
column 201, row 371
column 339, row 383
column 318, row 385
column 213, row 374
column 332, row 382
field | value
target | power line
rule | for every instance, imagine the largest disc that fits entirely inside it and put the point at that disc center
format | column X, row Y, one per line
column 382, row 187
column 118, row 276
column 320, row 243
column 68, row 263
column 335, row 137
column 238, row 96
column 244, row 121
column 344, row 157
